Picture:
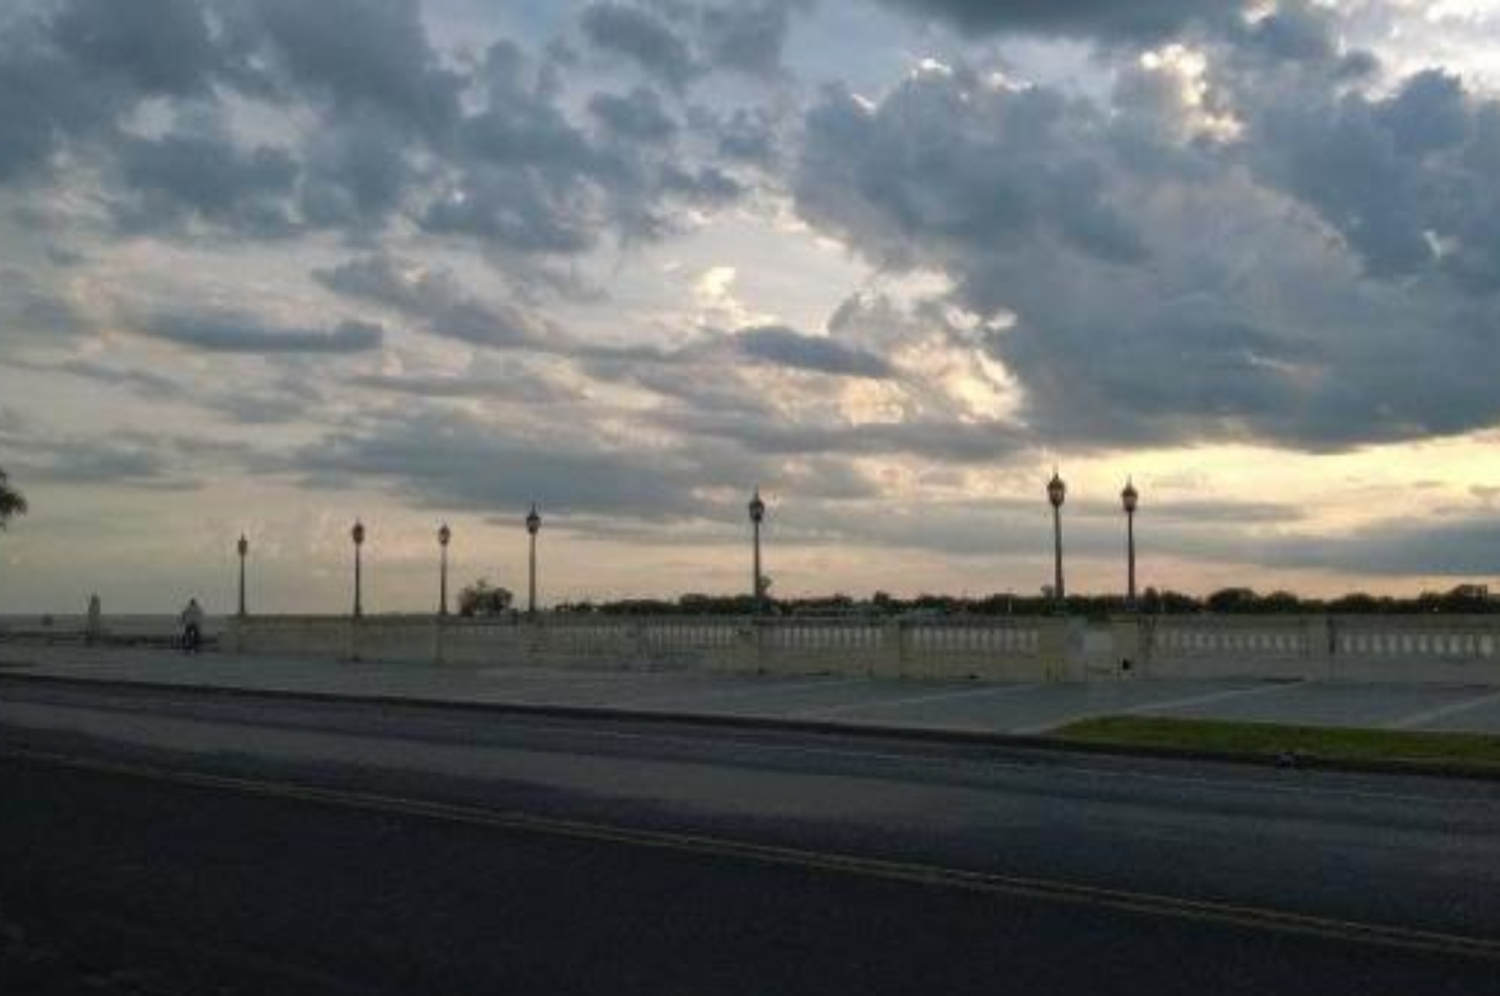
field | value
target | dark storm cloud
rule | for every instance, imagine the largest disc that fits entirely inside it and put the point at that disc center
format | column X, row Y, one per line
column 1106, row 20
column 232, row 333
column 779, row 345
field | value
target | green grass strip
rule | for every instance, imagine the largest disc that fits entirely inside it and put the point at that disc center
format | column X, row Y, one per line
column 1465, row 750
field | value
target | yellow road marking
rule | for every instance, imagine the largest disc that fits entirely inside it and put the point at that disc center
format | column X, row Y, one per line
column 935, row 876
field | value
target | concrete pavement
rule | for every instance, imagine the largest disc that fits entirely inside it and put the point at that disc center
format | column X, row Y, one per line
column 959, row 706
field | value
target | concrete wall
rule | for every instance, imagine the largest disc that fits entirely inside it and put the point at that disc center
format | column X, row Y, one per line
column 70, row 627
column 1429, row 648
column 1019, row 650
column 1445, row 649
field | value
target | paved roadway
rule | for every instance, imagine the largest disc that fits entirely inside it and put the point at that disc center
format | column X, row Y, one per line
column 859, row 701
column 172, row 842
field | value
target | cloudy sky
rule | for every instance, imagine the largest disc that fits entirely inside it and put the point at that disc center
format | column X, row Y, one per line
column 269, row 265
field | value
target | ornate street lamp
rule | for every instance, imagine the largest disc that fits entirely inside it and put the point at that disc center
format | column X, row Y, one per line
column 357, row 534
column 1129, row 498
column 533, row 526
column 244, row 548
column 445, row 535
column 1057, row 492
column 757, row 515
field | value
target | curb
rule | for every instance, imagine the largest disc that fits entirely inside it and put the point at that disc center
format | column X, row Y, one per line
column 917, row 734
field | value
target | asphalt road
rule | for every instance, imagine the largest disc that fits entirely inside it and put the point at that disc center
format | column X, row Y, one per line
column 187, row 843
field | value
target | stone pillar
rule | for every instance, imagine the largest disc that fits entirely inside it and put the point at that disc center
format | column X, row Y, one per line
column 1052, row 647
column 1320, row 654
column 1125, row 633
column 890, row 661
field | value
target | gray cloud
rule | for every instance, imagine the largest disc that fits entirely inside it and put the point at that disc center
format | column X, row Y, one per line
column 643, row 38
column 747, row 35
column 125, row 459
column 508, row 165
column 1107, row 20
column 154, row 46
column 1457, row 547
column 143, row 382
column 356, row 172
column 745, row 135
column 31, row 310
column 433, row 297
column 450, row 458
column 46, row 95
column 638, row 115
column 1159, row 324
column 786, row 347
column 942, row 442
column 180, row 177
column 231, row 333
column 1406, row 179
column 950, row 163
column 358, row 56
column 511, row 381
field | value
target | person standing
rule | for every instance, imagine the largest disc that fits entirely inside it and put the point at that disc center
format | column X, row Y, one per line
column 192, row 626
column 95, row 626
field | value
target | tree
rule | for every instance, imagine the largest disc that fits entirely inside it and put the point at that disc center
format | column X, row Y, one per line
column 12, row 502
column 1232, row 600
column 483, row 599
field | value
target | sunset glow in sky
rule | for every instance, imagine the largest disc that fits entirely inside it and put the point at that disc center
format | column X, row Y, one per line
column 271, row 265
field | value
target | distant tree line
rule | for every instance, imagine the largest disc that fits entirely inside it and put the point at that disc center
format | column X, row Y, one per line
column 1467, row 598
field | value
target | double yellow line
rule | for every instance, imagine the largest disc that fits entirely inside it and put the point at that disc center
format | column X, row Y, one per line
column 931, row 876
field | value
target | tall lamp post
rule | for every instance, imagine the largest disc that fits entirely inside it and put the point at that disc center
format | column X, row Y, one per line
column 1129, row 498
column 1057, row 492
column 757, row 515
column 445, row 535
column 533, row 526
column 244, row 548
column 357, row 534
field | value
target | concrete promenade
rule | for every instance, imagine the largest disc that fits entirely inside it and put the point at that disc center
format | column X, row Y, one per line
column 966, row 706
